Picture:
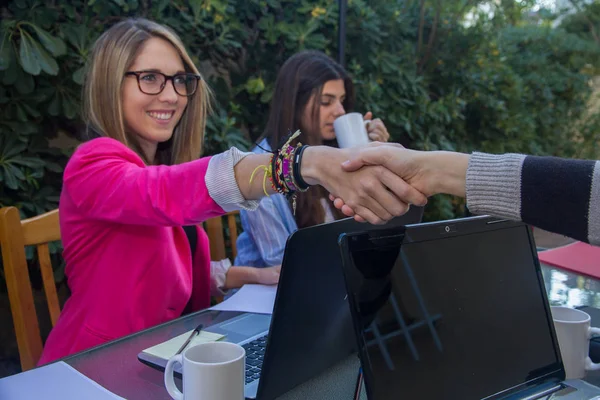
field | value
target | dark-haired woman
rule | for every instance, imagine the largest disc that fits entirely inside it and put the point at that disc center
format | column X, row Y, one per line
column 311, row 91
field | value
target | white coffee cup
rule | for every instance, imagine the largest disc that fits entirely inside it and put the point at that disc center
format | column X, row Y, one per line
column 573, row 330
column 351, row 130
column 214, row 370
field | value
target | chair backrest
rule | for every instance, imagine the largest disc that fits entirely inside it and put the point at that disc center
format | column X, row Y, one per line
column 218, row 237
column 15, row 234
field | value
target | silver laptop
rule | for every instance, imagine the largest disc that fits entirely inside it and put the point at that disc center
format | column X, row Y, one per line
column 454, row 310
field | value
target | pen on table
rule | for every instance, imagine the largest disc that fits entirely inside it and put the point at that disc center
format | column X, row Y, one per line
column 194, row 333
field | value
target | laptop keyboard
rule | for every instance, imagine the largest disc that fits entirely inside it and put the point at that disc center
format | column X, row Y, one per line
column 255, row 352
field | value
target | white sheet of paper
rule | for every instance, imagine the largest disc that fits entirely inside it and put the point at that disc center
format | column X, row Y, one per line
column 168, row 349
column 57, row 381
column 250, row 298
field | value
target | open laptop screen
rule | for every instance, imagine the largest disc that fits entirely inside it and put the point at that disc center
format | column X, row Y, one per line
column 459, row 316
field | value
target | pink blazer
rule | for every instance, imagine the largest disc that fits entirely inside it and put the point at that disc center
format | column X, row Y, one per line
column 128, row 261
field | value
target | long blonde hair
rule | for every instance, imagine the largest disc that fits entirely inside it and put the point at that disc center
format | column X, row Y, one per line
column 113, row 54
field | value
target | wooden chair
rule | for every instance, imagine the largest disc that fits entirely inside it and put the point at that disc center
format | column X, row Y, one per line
column 218, row 238
column 15, row 234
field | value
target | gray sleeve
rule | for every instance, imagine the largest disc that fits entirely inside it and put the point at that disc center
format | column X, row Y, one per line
column 494, row 185
column 221, row 183
column 556, row 194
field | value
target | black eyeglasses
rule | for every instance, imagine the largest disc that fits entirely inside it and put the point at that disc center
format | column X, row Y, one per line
column 152, row 82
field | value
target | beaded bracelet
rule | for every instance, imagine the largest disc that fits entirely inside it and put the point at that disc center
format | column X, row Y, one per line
column 283, row 171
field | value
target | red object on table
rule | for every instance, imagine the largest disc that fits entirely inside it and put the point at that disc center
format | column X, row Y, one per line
column 578, row 257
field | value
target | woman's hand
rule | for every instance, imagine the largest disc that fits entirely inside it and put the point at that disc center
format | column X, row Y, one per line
column 428, row 172
column 376, row 128
column 268, row 276
column 375, row 193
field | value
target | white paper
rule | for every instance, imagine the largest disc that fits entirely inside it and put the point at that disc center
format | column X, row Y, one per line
column 57, row 381
column 250, row 298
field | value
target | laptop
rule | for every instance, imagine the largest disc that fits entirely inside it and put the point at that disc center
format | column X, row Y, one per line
column 311, row 328
column 454, row 310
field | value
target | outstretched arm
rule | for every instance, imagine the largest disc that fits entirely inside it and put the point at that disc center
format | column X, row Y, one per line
column 559, row 195
column 375, row 192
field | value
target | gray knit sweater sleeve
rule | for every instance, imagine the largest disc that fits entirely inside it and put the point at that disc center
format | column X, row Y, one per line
column 559, row 195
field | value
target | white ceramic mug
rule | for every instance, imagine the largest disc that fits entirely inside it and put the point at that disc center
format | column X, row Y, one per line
column 351, row 130
column 213, row 370
column 573, row 330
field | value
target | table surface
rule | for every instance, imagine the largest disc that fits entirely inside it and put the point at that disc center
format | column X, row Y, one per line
column 116, row 367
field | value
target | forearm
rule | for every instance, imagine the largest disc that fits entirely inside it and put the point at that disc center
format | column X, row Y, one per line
column 311, row 164
column 250, row 164
column 239, row 276
column 446, row 172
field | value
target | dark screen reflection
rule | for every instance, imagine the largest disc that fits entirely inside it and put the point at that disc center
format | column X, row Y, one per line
column 458, row 318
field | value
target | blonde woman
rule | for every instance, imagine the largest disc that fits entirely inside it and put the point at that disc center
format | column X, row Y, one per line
column 128, row 192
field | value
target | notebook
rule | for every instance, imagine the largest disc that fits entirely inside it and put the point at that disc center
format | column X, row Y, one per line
column 166, row 350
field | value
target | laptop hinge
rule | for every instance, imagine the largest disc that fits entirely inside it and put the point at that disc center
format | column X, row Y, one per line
column 543, row 393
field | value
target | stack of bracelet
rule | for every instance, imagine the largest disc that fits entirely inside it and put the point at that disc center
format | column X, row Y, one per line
column 284, row 171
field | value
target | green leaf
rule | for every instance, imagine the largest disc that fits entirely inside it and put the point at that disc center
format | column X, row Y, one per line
column 29, row 250
column 25, row 128
column 77, row 36
column 36, row 174
column 25, row 83
column 59, row 273
column 16, row 172
column 255, row 85
column 69, row 107
column 162, row 5
column 54, row 106
column 52, row 166
column 21, row 114
column 44, row 59
column 10, row 75
column 79, row 75
column 53, row 44
column 30, row 110
column 10, row 179
column 30, row 162
column 13, row 148
column 5, row 53
column 196, row 6
column 27, row 56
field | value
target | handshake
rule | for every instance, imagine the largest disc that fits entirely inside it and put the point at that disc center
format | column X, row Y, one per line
column 380, row 181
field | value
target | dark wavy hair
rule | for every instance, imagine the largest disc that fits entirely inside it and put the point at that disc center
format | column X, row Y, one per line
column 300, row 78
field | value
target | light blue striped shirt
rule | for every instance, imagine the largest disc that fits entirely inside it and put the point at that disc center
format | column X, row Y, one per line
column 265, row 230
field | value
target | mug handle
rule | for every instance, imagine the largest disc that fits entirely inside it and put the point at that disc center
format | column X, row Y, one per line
column 169, row 380
column 589, row 364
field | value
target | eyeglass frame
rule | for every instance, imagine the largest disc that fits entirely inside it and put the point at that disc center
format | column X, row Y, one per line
column 167, row 78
